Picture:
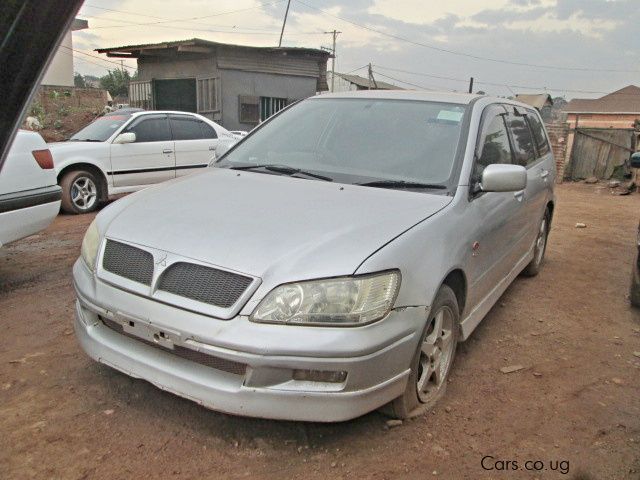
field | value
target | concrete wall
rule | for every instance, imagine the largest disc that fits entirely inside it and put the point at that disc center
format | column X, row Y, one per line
column 234, row 83
column 60, row 71
column 176, row 66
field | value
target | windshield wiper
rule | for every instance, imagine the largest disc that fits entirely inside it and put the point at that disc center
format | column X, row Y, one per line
column 284, row 169
column 402, row 184
column 84, row 140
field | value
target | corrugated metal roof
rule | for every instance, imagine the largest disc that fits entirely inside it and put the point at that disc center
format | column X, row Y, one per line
column 625, row 100
column 538, row 100
column 366, row 83
column 201, row 42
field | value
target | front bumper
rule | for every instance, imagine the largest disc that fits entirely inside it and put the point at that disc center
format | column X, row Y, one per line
column 375, row 357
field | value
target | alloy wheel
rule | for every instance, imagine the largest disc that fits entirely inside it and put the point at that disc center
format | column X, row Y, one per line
column 84, row 193
column 436, row 354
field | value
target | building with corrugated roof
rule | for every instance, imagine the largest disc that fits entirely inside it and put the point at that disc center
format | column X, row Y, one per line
column 619, row 109
column 236, row 85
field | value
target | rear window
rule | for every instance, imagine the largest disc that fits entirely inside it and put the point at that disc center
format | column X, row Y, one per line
column 525, row 152
column 100, row 129
column 538, row 134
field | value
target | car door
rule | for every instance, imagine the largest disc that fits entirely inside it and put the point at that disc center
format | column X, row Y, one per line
column 195, row 143
column 533, row 199
column 148, row 160
column 492, row 215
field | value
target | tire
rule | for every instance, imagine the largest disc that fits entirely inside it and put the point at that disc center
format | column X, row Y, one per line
column 428, row 378
column 540, row 247
column 80, row 192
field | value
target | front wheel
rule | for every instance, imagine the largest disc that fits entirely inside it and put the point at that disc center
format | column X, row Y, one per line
column 80, row 192
column 433, row 359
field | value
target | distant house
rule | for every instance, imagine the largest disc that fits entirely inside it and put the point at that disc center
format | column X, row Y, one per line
column 344, row 82
column 620, row 109
column 540, row 101
column 60, row 70
column 236, row 85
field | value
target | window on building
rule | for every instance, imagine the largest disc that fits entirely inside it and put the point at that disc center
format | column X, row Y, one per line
column 538, row 134
column 140, row 95
column 249, row 107
column 207, row 95
column 270, row 106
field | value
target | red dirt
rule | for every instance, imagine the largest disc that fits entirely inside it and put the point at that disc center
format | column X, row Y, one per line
column 575, row 400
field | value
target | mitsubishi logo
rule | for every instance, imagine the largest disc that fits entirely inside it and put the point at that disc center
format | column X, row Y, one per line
column 162, row 261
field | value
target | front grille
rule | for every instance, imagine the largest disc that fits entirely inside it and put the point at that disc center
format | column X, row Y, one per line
column 204, row 284
column 211, row 361
column 128, row 262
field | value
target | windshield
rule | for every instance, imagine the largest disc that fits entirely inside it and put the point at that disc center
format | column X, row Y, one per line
column 359, row 140
column 100, row 129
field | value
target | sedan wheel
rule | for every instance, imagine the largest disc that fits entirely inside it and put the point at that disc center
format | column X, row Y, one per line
column 80, row 192
column 84, row 193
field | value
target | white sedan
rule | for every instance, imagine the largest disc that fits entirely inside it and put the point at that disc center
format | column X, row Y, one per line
column 125, row 151
column 29, row 194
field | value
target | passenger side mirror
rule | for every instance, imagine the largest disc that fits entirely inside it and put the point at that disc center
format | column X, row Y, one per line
column 500, row 177
column 128, row 137
column 635, row 160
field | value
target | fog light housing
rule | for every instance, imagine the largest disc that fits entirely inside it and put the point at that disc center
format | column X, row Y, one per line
column 324, row 376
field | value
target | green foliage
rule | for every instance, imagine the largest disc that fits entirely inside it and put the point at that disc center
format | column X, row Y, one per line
column 57, row 124
column 63, row 111
column 78, row 80
column 116, row 82
column 37, row 111
column 54, row 94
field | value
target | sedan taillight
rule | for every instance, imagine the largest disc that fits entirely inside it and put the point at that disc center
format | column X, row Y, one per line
column 44, row 159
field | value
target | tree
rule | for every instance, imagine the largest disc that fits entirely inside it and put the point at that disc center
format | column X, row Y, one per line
column 78, row 80
column 116, row 82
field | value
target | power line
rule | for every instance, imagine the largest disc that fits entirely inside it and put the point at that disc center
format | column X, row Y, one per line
column 463, row 54
column 95, row 56
column 494, row 84
column 190, row 19
column 402, row 81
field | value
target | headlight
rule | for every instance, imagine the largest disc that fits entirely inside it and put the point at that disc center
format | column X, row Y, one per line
column 346, row 301
column 90, row 244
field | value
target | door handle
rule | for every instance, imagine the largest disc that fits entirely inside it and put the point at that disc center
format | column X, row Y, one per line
column 519, row 195
column 544, row 173
column 167, row 150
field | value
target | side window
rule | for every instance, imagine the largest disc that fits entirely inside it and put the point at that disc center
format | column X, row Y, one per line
column 539, row 136
column 154, row 129
column 525, row 152
column 208, row 131
column 184, row 127
column 494, row 146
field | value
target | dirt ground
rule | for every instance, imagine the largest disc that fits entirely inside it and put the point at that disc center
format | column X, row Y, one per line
column 574, row 407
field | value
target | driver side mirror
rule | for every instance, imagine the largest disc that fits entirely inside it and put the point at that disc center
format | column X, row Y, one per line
column 499, row 177
column 635, row 160
column 128, row 137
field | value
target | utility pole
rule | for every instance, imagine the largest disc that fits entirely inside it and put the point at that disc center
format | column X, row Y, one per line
column 286, row 13
column 333, row 60
column 372, row 79
column 471, row 85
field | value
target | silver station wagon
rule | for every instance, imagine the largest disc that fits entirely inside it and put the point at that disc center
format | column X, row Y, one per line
column 328, row 264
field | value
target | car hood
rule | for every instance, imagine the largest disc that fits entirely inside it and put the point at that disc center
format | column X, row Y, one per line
column 269, row 226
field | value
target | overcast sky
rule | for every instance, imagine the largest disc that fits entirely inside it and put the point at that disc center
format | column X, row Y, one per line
column 572, row 48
